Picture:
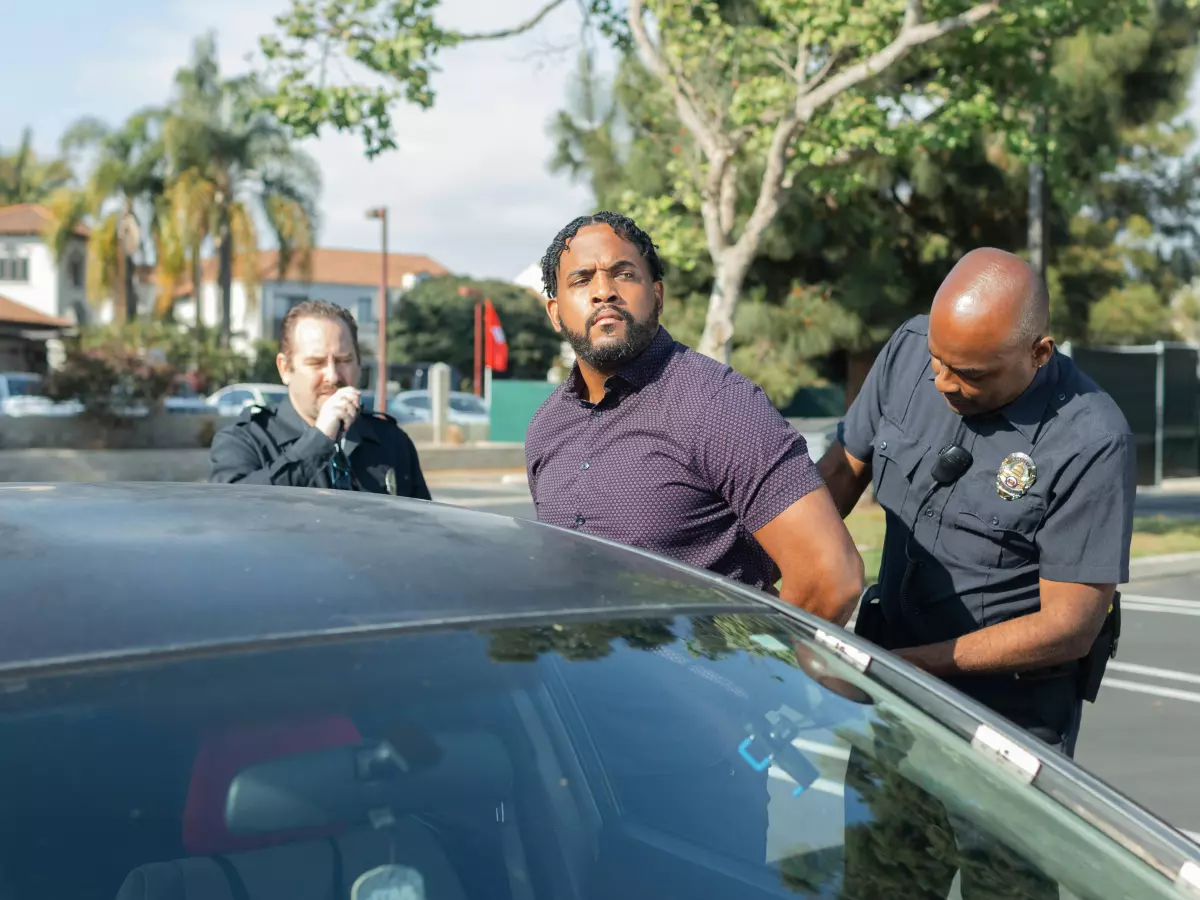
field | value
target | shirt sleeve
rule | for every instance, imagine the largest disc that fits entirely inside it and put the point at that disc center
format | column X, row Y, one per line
column 235, row 459
column 1085, row 534
column 751, row 456
column 857, row 430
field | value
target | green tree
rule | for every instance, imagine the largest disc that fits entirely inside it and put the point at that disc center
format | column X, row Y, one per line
column 25, row 178
column 230, row 162
column 844, row 263
column 120, row 198
column 435, row 321
column 770, row 94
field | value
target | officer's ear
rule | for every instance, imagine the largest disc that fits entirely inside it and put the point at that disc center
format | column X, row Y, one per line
column 285, row 369
column 552, row 312
column 1043, row 349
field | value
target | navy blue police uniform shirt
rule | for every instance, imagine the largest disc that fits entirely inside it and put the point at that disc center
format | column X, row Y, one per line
column 682, row 456
column 273, row 445
column 979, row 555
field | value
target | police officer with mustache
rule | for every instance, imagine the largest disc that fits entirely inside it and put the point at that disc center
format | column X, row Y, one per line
column 319, row 436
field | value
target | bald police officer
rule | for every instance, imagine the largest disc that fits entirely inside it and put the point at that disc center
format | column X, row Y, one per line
column 319, row 436
column 1007, row 479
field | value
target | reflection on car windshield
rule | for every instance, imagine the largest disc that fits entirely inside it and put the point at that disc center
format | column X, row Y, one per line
column 699, row 757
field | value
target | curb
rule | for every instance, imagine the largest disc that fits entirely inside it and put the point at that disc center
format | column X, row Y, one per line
column 1164, row 565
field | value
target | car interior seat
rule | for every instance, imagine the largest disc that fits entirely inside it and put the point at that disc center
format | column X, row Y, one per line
column 296, row 864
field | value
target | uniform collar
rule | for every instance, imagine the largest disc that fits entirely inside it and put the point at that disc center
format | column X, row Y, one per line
column 1029, row 409
column 636, row 373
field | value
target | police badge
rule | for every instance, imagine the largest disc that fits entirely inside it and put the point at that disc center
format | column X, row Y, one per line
column 1015, row 476
column 389, row 481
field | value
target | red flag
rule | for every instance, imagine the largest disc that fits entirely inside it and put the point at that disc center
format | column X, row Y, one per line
column 496, row 345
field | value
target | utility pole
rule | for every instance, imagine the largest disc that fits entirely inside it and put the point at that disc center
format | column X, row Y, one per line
column 381, row 374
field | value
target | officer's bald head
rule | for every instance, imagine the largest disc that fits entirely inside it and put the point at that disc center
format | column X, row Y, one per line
column 988, row 330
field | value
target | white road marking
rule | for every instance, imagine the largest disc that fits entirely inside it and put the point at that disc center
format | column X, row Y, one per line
column 1139, row 688
column 1152, row 672
column 1162, row 601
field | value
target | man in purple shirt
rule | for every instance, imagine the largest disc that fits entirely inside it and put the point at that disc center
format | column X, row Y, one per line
column 651, row 444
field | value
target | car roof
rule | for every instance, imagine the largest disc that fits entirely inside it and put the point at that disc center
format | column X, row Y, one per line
column 119, row 569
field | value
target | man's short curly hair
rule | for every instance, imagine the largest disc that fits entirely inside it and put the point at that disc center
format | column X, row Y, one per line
column 624, row 227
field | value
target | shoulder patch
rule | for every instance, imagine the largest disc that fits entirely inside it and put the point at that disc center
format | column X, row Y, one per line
column 254, row 411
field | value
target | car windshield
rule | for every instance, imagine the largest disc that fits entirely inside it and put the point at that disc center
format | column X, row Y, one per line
column 273, row 395
column 24, row 385
column 702, row 756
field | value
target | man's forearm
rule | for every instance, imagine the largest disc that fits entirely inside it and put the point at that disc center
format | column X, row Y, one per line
column 1022, row 644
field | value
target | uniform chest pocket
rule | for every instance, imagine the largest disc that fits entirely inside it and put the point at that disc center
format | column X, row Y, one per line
column 898, row 457
column 996, row 534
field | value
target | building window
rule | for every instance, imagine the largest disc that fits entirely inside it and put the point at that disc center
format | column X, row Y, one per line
column 13, row 267
column 75, row 271
column 281, row 306
column 366, row 310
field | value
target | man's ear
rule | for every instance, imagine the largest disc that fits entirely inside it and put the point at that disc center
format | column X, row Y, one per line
column 552, row 312
column 1043, row 350
column 281, row 363
column 659, row 293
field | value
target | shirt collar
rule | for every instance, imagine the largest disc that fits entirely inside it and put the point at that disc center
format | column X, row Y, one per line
column 1027, row 411
column 638, row 372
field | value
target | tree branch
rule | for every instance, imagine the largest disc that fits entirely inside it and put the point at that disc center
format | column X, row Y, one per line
column 911, row 35
column 516, row 29
column 690, row 115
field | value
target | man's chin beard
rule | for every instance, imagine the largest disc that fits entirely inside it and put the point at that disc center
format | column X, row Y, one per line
column 612, row 354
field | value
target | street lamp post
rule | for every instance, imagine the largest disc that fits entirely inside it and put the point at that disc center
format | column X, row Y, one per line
column 381, row 380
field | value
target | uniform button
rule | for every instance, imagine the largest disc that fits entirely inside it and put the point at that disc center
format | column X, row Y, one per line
column 585, row 466
column 995, row 520
column 595, row 413
column 578, row 521
column 929, row 512
column 883, row 445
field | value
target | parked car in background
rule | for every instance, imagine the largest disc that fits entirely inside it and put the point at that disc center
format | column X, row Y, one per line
column 232, row 399
column 415, row 406
column 425, row 713
column 21, row 395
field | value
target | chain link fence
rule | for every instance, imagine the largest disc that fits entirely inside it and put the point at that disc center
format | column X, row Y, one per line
column 1157, row 387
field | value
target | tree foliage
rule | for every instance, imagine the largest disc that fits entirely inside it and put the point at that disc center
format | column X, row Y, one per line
column 846, row 261
column 770, row 97
column 436, row 322
column 27, row 178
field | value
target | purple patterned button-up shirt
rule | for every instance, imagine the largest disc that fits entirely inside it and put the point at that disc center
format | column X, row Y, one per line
column 682, row 456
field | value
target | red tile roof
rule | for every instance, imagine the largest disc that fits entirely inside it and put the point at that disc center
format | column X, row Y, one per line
column 12, row 312
column 29, row 218
column 354, row 267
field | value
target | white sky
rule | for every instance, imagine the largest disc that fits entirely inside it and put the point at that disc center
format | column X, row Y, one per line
column 469, row 184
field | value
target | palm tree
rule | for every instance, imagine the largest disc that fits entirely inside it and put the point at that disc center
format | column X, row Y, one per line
column 26, row 179
column 122, row 196
column 230, row 163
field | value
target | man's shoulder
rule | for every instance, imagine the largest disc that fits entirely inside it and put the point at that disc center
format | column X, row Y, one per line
column 385, row 428
column 1090, row 413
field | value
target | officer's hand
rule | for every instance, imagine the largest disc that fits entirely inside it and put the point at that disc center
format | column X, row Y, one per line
column 339, row 411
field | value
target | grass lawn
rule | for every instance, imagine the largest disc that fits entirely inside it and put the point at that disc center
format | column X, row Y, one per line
column 1152, row 535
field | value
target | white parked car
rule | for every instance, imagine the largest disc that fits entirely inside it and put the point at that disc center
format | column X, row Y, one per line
column 21, row 395
column 415, row 406
column 232, row 399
